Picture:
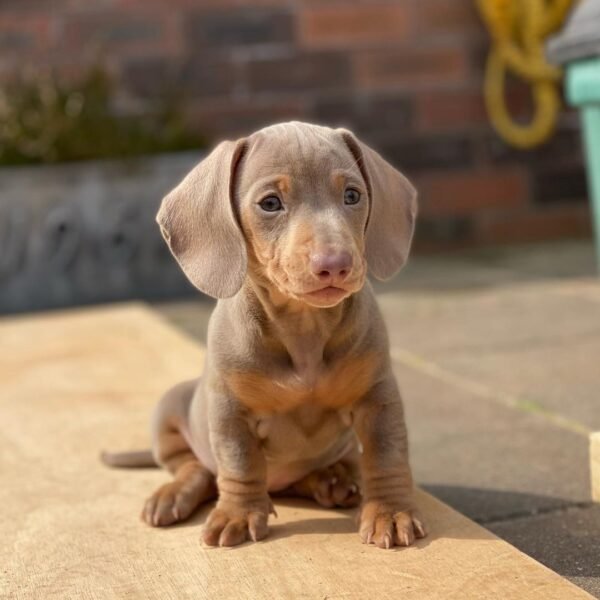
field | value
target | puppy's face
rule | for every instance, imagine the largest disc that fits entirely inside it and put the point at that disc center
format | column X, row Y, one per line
column 303, row 206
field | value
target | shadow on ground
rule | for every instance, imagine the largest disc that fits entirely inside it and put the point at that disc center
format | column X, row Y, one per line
column 564, row 536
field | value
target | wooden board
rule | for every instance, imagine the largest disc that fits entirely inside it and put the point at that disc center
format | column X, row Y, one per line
column 595, row 465
column 74, row 383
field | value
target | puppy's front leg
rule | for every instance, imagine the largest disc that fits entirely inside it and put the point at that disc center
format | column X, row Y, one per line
column 243, row 507
column 388, row 516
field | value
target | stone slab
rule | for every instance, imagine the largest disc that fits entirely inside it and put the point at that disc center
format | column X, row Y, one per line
column 506, row 318
column 191, row 316
column 532, row 344
column 486, row 460
column 563, row 378
column 568, row 542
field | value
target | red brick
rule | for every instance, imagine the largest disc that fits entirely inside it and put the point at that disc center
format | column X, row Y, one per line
column 447, row 110
column 557, row 184
column 204, row 77
column 227, row 118
column 420, row 154
column 371, row 116
column 409, row 66
column 563, row 222
column 311, row 72
column 151, row 77
column 23, row 32
column 448, row 16
column 135, row 33
column 334, row 3
column 195, row 4
column 461, row 193
column 350, row 24
column 225, row 28
column 16, row 41
column 440, row 233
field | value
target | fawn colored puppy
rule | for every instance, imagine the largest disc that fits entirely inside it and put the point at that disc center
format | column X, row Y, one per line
column 297, row 395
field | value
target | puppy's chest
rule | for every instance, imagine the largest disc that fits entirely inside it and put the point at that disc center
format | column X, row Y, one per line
column 306, row 433
column 335, row 385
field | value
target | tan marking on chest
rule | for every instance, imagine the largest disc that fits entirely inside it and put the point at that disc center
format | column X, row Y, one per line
column 336, row 387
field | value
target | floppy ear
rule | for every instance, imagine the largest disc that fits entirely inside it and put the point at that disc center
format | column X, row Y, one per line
column 199, row 225
column 392, row 210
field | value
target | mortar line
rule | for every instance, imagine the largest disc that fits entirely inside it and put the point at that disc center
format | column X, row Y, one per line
column 435, row 371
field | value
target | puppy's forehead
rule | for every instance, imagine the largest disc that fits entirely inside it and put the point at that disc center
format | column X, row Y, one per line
column 298, row 150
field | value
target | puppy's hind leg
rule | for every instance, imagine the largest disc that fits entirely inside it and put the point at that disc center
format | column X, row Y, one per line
column 337, row 485
column 193, row 484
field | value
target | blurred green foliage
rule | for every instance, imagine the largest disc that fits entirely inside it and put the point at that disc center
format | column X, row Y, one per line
column 44, row 120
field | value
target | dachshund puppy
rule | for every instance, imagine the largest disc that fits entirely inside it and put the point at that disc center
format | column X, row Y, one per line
column 297, row 395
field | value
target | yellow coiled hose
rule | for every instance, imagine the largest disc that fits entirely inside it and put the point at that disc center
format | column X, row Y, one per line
column 518, row 29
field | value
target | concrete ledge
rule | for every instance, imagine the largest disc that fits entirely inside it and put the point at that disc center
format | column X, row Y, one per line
column 85, row 232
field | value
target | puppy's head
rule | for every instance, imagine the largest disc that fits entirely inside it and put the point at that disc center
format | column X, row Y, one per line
column 305, row 209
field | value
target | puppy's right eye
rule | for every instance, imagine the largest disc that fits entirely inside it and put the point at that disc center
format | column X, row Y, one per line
column 271, row 204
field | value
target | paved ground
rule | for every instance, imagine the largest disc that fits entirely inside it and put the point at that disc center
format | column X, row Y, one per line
column 497, row 353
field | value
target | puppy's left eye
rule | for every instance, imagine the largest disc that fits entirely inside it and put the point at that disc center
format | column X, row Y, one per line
column 351, row 196
column 271, row 204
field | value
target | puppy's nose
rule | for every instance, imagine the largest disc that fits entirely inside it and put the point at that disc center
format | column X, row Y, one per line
column 334, row 266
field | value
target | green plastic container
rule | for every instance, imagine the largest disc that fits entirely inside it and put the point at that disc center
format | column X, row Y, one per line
column 577, row 49
column 583, row 91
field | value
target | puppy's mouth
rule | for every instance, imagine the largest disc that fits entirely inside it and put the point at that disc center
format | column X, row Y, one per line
column 326, row 296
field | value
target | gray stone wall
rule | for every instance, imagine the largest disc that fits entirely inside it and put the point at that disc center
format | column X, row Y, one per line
column 84, row 233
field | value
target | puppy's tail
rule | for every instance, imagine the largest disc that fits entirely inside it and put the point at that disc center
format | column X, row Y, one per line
column 137, row 459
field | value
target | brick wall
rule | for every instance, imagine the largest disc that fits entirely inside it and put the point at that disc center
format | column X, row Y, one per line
column 405, row 75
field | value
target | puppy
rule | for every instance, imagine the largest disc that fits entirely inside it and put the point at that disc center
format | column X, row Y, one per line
column 297, row 395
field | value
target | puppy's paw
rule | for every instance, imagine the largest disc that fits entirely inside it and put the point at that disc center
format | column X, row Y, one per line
column 334, row 486
column 173, row 502
column 387, row 526
column 229, row 525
